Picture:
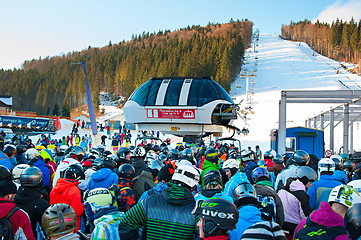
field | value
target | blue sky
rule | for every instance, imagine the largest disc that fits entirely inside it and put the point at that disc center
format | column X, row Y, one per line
column 30, row 29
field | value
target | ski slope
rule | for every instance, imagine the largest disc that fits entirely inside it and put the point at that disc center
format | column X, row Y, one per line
column 284, row 65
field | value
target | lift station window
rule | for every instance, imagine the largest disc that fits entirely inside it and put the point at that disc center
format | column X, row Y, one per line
column 291, row 144
column 152, row 96
column 194, row 92
column 208, row 93
column 140, row 95
column 173, row 92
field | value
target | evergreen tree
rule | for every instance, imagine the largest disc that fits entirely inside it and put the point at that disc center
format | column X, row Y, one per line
column 56, row 110
column 66, row 109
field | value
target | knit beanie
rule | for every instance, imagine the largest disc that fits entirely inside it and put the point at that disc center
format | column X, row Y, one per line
column 166, row 173
column 7, row 187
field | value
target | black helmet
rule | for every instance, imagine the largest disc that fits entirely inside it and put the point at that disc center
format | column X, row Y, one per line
column 217, row 213
column 156, row 148
column 9, row 150
column 123, row 152
column 349, row 165
column 244, row 193
column 213, row 177
column 306, row 174
column 148, row 147
column 268, row 155
column 233, row 154
column 260, row 174
column 126, row 170
column 163, row 157
column 96, row 162
column 173, row 154
column 5, row 173
column 68, row 150
column 352, row 221
column 31, row 177
column 108, row 162
column 106, row 153
column 78, row 152
column 74, row 172
column 278, row 159
column 212, row 155
column 300, row 157
column 20, row 149
column 355, row 157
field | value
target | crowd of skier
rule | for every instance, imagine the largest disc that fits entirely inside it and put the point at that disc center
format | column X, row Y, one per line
column 191, row 191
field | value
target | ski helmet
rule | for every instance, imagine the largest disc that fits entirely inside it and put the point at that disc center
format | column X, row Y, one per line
column 268, row 155
column 5, row 173
column 108, row 162
column 126, row 170
column 260, row 174
column 138, row 152
column 18, row 169
column 31, row 177
column 355, row 157
column 78, row 152
column 338, row 161
column 244, row 193
column 20, row 149
column 58, row 219
column 352, row 221
column 213, row 177
column 94, row 153
column 279, row 159
column 306, row 174
column 344, row 195
column 187, row 175
column 231, row 165
column 155, row 164
column 326, row 165
column 46, row 155
column 216, row 213
column 212, row 155
column 9, row 150
column 62, row 149
column 74, row 172
column 233, row 154
column 349, row 165
column 99, row 197
column 123, row 152
column 173, row 154
column 187, row 154
column 300, row 157
column 246, row 155
column 31, row 153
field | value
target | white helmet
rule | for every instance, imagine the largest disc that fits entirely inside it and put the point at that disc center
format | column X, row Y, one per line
column 246, row 155
column 31, row 153
column 326, row 165
column 231, row 163
column 18, row 170
column 62, row 148
column 187, row 175
column 343, row 194
column 356, row 184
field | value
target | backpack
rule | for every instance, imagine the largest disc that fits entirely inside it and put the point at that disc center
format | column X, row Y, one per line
column 267, row 207
column 6, row 227
column 314, row 231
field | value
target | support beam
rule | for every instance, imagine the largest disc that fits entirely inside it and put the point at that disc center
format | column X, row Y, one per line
column 322, row 121
column 315, row 123
column 332, row 124
column 351, row 137
column 282, row 125
column 345, row 128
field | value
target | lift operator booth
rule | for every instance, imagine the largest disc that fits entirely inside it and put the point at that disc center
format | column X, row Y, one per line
column 300, row 138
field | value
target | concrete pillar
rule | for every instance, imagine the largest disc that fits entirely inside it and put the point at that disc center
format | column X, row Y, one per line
column 315, row 122
column 322, row 121
column 351, row 137
column 282, row 125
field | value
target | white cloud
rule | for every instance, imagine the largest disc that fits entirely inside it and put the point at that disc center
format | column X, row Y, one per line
column 341, row 10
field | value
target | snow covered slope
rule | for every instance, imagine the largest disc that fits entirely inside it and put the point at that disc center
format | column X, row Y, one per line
column 284, row 65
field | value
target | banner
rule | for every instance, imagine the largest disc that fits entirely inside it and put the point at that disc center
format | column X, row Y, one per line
column 171, row 113
column 29, row 122
column 90, row 103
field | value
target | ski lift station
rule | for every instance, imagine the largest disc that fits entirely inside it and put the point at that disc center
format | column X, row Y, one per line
column 187, row 107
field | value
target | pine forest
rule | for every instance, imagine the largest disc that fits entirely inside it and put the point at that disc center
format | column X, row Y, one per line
column 216, row 50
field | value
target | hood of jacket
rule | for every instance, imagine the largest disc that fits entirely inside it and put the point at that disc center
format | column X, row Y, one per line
column 26, row 195
column 265, row 190
column 145, row 174
column 340, row 175
column 64, row 184
column 211, row 166
column 109, row 214
column 208, row 193
column 101, row 174
column 250, row 213
column 160, row 187
column 177, row 195
column 137, row 162
column 326, row 216
column 297, row 185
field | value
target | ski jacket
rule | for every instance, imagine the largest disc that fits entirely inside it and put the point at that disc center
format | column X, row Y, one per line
column 295, row 201
column 103, row 178
column 264, row 188
column 165, row 216
column 327, row 217
column 276, row 168
column 321, row 189
column 67, row 191
column 125, row 196
column 248, row 215
column 205, row 194
column 20, row 220
column 139, row 165
column 45, row 170
column 30, row 200
column 106, row 224
column 207, row 166
column 143, row 183
column 156, row 190
column 237, row 179
column 284, row 175
column 5, row 161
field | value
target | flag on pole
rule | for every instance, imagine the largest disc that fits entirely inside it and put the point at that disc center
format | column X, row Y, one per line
column 90, row 103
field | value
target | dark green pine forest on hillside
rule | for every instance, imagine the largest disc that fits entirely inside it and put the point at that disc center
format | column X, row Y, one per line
column 340, row 40
column 216, row 50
